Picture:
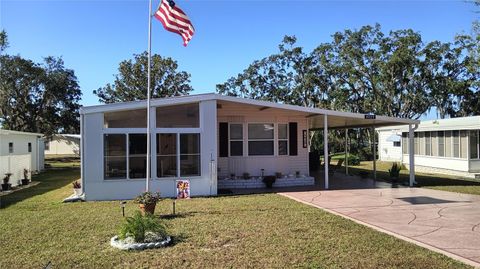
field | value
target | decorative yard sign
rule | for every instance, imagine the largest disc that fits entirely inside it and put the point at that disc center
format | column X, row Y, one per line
column 370, row 116
column 305, row 139
column 183, row 189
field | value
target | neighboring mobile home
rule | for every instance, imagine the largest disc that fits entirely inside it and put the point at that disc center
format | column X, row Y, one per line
column 449, row 146
column 210, row 139
column 18, row 151
column 63, row 144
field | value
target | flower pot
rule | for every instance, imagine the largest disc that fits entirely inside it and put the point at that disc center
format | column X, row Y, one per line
column 6, row 186
column 25, row 182
column 77, row 191
column 147, row 208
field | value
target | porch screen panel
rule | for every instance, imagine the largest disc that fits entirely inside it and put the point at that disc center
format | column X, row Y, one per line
column 189, row 154
column 260, row 139
column 463, row 144
column 448, row 143
column 405, row 143
column 421, row 143
column 434, row 144
column 115, row 156
column 441, row 143
column 166, row 155
column 293, row 138
column 456, row 144
column 137, row 155
column 474, row 144
column 428, row 144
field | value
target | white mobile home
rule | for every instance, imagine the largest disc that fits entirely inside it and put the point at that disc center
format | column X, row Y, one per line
column 18, row 151
column 448, row 146
column 204, row 138
column 63, row 144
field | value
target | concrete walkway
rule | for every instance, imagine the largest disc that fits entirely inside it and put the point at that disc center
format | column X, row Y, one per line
column 445, row 222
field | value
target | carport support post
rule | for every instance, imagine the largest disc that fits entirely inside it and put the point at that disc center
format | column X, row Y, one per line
column 346, row 151
column 374, row 151
column 411, row 154
column 325, row 148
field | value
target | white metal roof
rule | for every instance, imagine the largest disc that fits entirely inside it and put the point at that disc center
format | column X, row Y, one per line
column 7, row 132
column 336, row 119
column 460, row 123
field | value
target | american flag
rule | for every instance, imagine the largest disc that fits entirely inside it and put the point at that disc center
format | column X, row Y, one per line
column 175, row 20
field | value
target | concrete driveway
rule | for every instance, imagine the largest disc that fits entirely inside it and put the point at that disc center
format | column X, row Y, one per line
column 445, row 222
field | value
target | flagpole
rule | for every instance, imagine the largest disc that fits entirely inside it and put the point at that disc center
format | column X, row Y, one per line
column 147, row 183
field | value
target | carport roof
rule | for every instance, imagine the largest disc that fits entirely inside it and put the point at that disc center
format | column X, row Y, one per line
column 336, row 119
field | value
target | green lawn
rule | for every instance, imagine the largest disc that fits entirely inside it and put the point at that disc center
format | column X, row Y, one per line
column 232, row 231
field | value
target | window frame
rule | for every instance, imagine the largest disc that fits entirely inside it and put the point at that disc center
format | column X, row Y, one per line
column 261, row 139
column 443, row 143
column 428, row 143
column 282, row 139
column 230, row 140
column 453, row 144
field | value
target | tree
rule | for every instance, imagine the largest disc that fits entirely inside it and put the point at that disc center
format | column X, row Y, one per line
column 131, row 82
column 41, row 98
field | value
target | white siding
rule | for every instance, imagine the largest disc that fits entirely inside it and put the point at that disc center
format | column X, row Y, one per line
column 64, row 145
column 20, row 158
column 96, row 188
column 387, row 152
column 236, row 113
column 447, row 163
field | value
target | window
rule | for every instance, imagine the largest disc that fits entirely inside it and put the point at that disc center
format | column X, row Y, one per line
column 474, row 144
column 47, row 145
column 115, row 154
column 189, row 154
column 441, row 143
column 166, row 155
column 236, row 139
column 29, row 147
column 10, row 147
column 179, row 116
column 396, row 143
column 282, row 139
column 456, row 144
column 126, row 119
column 260, row 139
column 137, row 155
column 428, row 144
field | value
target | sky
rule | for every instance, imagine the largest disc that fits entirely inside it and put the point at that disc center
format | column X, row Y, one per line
column 94, row 36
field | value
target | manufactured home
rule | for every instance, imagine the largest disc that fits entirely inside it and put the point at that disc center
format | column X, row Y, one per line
column 19, row 151
column 63, row 145
column 212, row 140
column 449, row 146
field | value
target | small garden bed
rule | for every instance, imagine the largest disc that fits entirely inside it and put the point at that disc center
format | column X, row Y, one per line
column 257, row 182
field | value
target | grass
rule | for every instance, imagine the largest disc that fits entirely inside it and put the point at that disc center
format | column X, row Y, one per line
column 232, row 231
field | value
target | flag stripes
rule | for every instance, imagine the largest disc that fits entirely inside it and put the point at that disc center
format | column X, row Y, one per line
column 175, row 20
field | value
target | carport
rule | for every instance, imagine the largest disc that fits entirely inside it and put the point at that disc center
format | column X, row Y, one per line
column 330, row 120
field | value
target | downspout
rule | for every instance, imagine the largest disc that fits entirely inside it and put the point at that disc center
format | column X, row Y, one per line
column 82, row 152
column 411, row 152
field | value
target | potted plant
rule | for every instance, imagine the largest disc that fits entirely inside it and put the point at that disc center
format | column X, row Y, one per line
column 147, row 201
column 77, row 188
column 232, row 176
column 394, row 172
column 6, row 185
column 25, row 179
column 269, row 180
column 297, row 174
column 246, row 175
column 278, row 174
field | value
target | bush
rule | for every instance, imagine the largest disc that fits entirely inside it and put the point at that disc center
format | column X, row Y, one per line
column 395, row 170
column 138, row 226
column 365, row 154
column 269, row 180
column 353, row 160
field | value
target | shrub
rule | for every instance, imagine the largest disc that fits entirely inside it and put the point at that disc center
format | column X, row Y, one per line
column 269, row 180
column 147, row 198
column 139, row 226
column 395, row 170
column 353, row 160
column 6, row 179
column 365, row 154
column 25, row 173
